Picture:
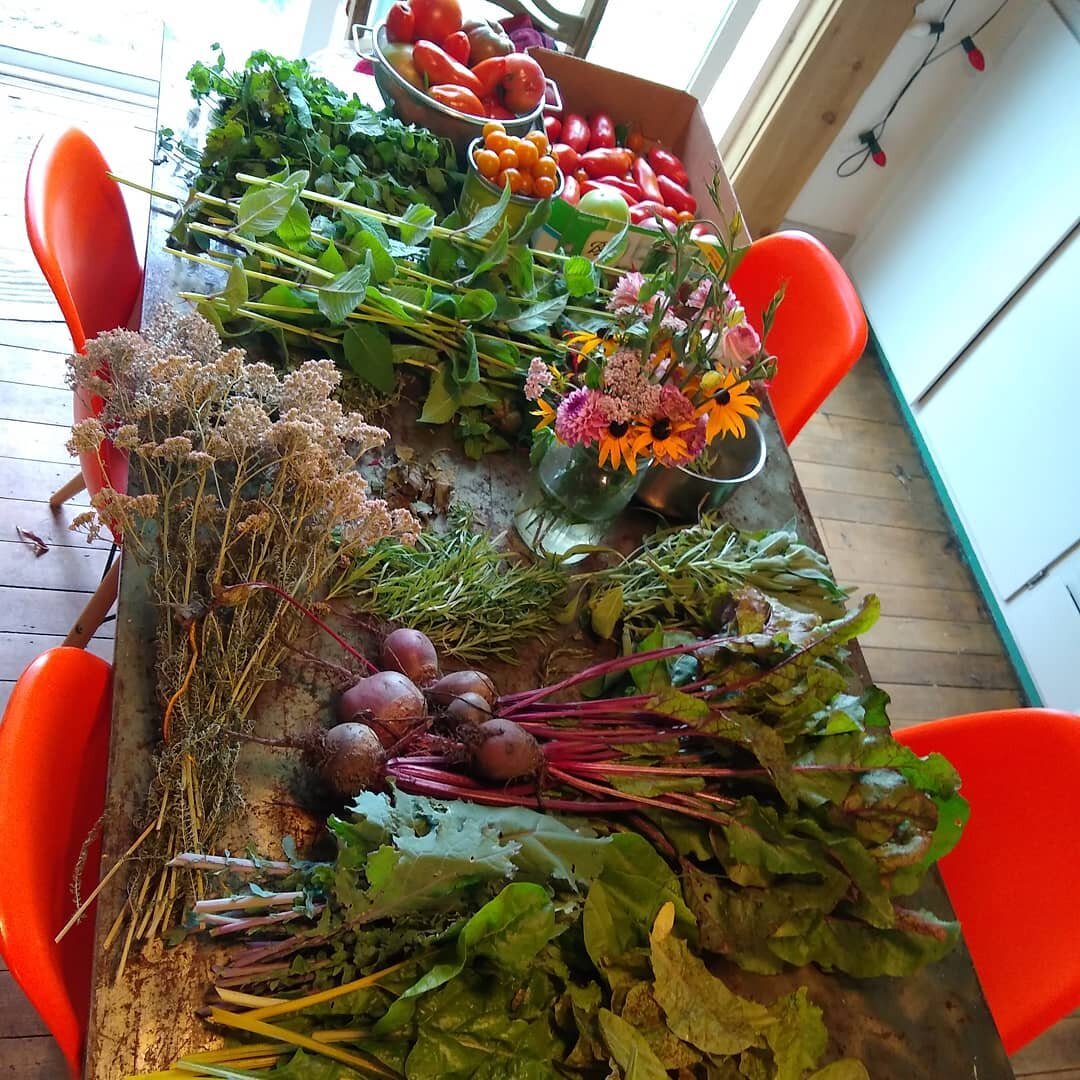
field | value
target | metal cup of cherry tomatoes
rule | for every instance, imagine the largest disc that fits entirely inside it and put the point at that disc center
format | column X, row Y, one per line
column 498, row 159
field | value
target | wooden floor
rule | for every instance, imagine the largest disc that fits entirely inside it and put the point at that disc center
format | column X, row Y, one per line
column 934, row 650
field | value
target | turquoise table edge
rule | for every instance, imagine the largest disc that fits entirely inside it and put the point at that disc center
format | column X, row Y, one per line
column 1027, row 683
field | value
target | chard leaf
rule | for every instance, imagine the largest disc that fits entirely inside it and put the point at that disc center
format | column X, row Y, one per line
column 547, row 848
column 844, row 1069
column 651, row 677
column 798, row 1037
column 339, row 298
column 629, row 1049
column 368, row 351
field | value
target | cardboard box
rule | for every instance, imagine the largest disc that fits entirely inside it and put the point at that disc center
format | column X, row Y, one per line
column 672, row 117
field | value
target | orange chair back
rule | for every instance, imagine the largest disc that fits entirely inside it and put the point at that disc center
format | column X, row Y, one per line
column 54, row 743
column 1014, row 878
column 81, row 236
column 820, row 329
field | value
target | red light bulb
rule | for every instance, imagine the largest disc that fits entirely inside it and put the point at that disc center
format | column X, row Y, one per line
column 878, row 157
column 974, row 54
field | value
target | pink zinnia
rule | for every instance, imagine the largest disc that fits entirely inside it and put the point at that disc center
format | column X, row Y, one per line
column 674, row 404
column 624, row 297
column 580, row 419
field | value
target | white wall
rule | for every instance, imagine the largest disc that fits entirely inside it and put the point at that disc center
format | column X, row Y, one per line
column 847, row 206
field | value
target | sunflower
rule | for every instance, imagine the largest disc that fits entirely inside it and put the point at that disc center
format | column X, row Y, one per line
column 730, row 402
column 617, row 446
column 664, row 439
column 545, row 411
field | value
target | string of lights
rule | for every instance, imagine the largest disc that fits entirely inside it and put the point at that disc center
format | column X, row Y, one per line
column 870, row 148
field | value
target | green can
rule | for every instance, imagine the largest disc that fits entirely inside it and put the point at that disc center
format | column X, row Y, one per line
column 478, row 192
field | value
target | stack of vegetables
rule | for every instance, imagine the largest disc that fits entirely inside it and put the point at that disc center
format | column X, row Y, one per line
column 468, row 66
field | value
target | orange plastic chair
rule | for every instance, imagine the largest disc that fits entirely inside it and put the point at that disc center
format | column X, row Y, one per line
column 54, row 743
column 820, row 329
column 1014, row 878
column 80, row 234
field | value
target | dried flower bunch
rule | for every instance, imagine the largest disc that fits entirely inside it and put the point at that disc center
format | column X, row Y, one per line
column 668, row 373
column 240, row 476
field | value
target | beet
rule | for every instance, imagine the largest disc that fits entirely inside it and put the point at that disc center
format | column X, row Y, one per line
column 505, row 751
column 468, row 708
column 352, row 760
column 412, row 654
column 458, row 683
column 387, row 701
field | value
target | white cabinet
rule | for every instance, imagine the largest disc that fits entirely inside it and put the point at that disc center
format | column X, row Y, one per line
column 1045, row 623
column 997, row 191
column 1002, row 428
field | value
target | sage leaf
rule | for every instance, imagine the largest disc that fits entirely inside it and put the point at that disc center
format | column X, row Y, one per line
column 369, row 354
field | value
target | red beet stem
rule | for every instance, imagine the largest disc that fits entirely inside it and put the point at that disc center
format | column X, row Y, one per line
column 308, row 613
column 496, row 798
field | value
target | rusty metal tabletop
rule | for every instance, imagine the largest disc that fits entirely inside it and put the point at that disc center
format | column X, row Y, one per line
column 933, row 1025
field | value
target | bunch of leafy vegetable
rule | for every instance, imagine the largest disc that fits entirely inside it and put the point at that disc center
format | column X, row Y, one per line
column 684, row 578
column 275, row 114
column 584, row 964
column 473, row 600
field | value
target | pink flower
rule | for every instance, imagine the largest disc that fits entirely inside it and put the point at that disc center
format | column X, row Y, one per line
column 674, row 404
column 700, row 295
column 741, row 344
column 538, row 379
column 580, row 419
column 624, row 296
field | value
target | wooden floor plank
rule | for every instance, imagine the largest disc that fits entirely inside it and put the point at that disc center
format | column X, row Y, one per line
column 18, row 650
column 918, row 602
column 856, row 431
column 920, row 568
column 39, row 404
column 35, row 442
column 35, row 1058
column 1061, row 1043
column 914, row 704
column 44, row 611
column 17, row 1015
column 53, row 526
column 74, row 569
column 53, row 336
column 809, row 447
column 852, row 480
column 918, row 666
column 933, row 635
column 37, row 480
column 868, row 510
column 36, row 367
column 862, row 398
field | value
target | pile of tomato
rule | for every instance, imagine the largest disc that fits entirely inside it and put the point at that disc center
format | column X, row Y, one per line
column 469, row 66
column 651, row 181
column 525, row 164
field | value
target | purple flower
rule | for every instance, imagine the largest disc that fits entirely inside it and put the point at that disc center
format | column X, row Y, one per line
column 624, row 297
column 580, row 418
column 538, row 379
column 695, row 439
column 741, row 344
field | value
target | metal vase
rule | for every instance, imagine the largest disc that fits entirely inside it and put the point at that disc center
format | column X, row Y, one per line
column 682, row 495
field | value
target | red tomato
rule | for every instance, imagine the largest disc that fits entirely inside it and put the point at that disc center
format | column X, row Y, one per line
column 441, row 69
column 645, row 179
column 665, row 163
column 495, row 109
column 490, row 74
column 601, row 131
column 553, row 127
column 606, row 162
column 571, row 190
column 436, row 20
column 566, row 156
column 456, row 46
column 676, row 196
column 647, row 209
column 575, row 132
column 401, row 23
column 457, row 97
column 523, row 85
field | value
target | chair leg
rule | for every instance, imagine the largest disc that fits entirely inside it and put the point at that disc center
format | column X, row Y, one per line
column 93, row 615
column 72, row 487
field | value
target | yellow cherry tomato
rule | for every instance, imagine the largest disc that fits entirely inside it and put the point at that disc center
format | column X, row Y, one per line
column 546, row 166
column 513, row 178
column 487, row 163
column 527, row 155
column 543, row 186
column 492, row 126
column 540, row 141
column 526, row 184
column 508, row 159
column 497, row 141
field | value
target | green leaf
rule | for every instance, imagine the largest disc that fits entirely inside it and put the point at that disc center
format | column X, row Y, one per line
column 418, row 220
column 441, row 402
column 295, row 230
column 235, row 293
column 389, row 304
column 289, row 296
column 699, row 1007
column 464, row 366
column 652, row 676
column 487, row 217
column 369, row 354
column 538, row 316
column 536, row 218
column 301, row 109
column 383, row 267
column 520, row 270
column 548, row 849
column 845, row 1069
column 263, row 209
column 493, row 256
column 612, row 248
column 630, row 1050
column 331, row 260
column 339, row 298
column 605, row 611
column 476, row 305
column 580, row 276
column 798, row 1037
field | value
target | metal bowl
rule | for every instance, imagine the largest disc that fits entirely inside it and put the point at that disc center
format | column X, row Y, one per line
column 682, row 495
column 415, row 107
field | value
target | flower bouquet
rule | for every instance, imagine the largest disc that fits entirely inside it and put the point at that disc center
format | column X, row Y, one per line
column 653, row 383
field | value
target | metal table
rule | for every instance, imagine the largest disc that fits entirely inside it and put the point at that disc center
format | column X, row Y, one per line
column 933, row 1025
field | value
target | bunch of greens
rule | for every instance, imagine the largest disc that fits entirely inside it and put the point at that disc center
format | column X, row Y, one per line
column 473, row 600
column 561, row 954
column 684, row 578
column 274, row 114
